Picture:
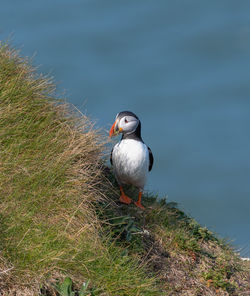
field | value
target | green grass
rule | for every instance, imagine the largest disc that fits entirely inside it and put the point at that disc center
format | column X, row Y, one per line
column 60, row 217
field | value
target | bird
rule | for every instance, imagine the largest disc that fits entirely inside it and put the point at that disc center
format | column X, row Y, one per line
column 131, row 158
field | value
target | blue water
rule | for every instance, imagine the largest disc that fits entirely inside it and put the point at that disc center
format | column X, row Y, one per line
column 182, row 66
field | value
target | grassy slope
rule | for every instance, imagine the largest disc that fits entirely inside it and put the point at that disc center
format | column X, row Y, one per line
column 60, row 217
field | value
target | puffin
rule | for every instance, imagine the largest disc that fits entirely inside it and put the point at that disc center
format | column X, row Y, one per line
column 131, row 158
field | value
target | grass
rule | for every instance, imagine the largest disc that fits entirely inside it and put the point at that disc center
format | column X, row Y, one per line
column 60, row 217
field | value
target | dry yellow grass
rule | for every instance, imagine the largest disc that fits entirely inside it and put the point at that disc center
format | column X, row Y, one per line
column 51, row 177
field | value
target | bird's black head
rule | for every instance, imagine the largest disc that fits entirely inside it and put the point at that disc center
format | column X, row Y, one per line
column 127, row 123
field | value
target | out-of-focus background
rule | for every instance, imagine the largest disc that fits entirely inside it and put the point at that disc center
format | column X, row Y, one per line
column 182, row 66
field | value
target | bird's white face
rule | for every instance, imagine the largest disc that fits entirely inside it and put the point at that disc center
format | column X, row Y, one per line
column 128, row 124
column 123, row 124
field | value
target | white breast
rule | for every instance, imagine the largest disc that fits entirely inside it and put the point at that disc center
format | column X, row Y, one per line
column 131, row 161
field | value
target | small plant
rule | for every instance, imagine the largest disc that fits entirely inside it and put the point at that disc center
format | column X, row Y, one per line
column 217, row 279
column 66, row 288
column 186, row 243
column 220, row 274
column 124, row 226
column 84, row 289
column 201, row 232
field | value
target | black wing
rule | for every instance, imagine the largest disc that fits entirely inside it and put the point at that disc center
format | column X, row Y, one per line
column 151, row 159
column 111, row 156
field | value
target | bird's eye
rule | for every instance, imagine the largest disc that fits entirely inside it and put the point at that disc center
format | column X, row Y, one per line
column 126, row 120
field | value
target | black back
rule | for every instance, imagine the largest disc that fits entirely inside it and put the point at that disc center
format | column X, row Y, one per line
column 151, row 159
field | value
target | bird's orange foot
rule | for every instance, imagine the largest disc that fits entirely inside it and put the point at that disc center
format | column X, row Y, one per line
column 125, row 199
column 139, row 205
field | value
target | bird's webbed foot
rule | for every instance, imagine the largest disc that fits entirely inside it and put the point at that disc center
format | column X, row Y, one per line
column 124, row 198
column 138, row 202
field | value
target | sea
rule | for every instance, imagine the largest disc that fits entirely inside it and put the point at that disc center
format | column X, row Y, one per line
column 182, row 66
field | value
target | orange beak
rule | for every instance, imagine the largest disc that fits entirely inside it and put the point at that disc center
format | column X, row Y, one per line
column 113, row 132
